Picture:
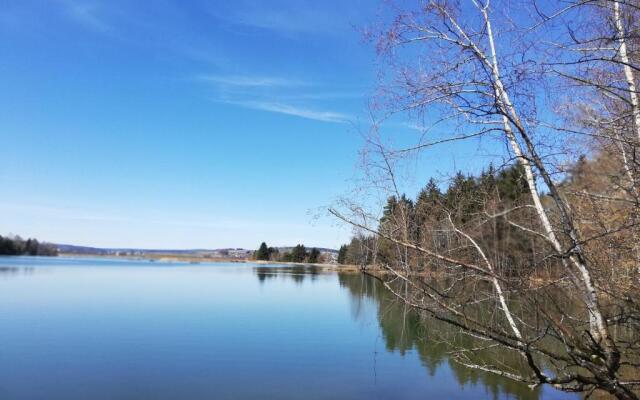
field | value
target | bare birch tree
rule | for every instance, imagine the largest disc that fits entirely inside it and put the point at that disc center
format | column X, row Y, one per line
column 503, row 70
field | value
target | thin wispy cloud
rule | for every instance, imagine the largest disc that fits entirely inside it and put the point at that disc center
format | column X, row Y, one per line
column 322, row 95
column 250, row 81
column 277, row 95
column 287, row 109
column 284, row 21
column 287, row 17
column 87, row 14
column 413, row 126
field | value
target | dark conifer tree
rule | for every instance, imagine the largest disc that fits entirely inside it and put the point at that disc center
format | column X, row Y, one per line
column 314, row 255
column 342, row 254
column 262, row 253
column 299, row 253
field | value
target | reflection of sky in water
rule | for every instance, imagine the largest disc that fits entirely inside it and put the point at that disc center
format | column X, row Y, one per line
column 102, row 329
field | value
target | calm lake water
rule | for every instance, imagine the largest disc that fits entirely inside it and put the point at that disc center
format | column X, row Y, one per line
column 112, row 329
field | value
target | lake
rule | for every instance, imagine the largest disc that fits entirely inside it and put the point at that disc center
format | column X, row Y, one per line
column 81, row 328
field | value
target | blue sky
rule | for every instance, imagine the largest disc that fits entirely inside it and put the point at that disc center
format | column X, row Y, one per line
column 181, row 124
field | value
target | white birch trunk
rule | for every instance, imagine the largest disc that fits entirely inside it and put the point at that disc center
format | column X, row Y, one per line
column 626, row 66
column 597, row 323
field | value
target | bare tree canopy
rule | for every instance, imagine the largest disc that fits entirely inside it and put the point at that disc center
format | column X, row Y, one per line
column 548, row 244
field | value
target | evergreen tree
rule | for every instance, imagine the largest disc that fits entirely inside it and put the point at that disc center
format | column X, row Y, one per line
column 428, row 207
column 398, row 220
column 262, row 253
column 388, row 211
column 342, row 254
column 487, row 181
column 17, row 246
column 314, row 255
column 298, row 253
column 511, row 183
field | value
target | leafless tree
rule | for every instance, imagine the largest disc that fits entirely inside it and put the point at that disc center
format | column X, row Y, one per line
column 505, row 70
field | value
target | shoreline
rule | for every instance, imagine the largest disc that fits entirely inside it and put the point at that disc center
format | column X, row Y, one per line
column 199, row 260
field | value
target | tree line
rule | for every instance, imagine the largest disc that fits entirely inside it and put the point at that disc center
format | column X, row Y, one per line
column 16, row 246
column 299, row 254
column 424, row 221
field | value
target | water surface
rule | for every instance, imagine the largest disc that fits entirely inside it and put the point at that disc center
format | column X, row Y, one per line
column 111, row 329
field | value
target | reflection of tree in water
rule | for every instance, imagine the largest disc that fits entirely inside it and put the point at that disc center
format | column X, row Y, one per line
column 15, row 271
column 297, row 273
column 404, row 330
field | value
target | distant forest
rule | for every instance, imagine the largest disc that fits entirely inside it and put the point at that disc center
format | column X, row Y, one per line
column 424, row 219
column 298, row 253
column 16, row 246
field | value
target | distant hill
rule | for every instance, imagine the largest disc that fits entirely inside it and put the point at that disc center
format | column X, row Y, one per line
column 73, row 249
column 225, row 252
